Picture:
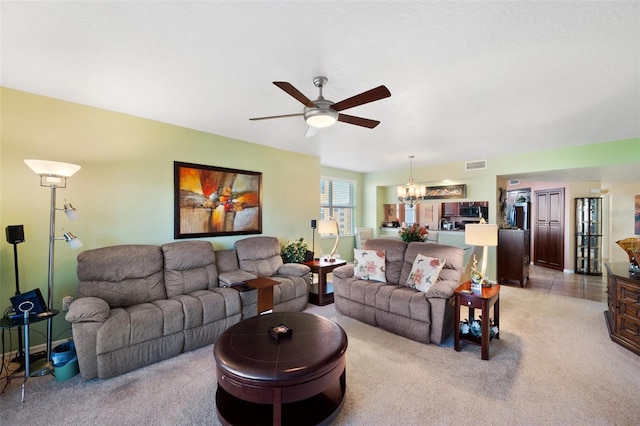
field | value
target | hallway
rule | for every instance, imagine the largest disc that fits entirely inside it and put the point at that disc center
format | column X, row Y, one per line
column 545, row 280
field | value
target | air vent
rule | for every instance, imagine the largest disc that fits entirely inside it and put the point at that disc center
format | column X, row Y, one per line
column 475, row 165
column 514, row 182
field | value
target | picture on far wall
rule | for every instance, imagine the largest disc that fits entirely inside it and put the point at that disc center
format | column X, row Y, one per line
column 214, row 201
column 447, row 191
column 637, row 223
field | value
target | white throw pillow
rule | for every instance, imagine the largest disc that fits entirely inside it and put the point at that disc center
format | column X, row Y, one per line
column 369, row 264
column 424, row 272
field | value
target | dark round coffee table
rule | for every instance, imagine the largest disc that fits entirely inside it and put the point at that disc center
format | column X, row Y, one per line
column 300, row 379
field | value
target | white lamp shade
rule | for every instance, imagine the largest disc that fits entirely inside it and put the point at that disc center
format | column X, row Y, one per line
column 328, row 227
column 481, row 234
column 52, row 168
column 73, row 241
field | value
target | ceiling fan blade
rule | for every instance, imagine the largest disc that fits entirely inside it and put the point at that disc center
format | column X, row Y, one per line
column 311, row 131
column 287, row 87
column 358, row 121
column 378, row 93
column 275, row 116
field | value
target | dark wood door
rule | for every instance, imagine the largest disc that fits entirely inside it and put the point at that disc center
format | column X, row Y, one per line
column 549, row 228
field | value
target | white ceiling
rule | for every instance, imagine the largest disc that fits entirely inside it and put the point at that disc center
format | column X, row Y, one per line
column 469, row 80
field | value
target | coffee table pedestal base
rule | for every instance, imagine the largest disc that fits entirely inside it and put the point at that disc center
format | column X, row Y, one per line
column 320, row 409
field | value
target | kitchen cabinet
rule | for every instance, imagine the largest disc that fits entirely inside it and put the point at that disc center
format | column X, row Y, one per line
column 513, row 255
column 588, row 236
column 623, row 314
column 518, row 196
column 450, row 209
column 549, row 228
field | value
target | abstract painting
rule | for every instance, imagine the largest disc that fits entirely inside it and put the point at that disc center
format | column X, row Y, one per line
column 214, row 201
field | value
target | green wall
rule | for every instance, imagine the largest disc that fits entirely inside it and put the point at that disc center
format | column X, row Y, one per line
column 124, row 191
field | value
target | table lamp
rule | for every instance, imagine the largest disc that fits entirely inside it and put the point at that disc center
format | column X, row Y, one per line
column 485, row 235
column 330, row 227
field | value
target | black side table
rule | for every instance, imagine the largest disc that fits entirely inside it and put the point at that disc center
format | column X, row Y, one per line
column 7, row 323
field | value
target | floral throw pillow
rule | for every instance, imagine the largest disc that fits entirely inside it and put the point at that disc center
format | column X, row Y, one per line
column 369, row 264
column 424, row 272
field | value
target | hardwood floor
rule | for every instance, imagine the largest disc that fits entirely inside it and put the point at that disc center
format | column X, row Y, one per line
column 590, row 287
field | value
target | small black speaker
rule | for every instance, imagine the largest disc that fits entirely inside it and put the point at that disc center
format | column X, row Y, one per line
column 313, row 224
column 15, row 234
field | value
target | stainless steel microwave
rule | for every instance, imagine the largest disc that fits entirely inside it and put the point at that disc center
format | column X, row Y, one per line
column 474, row 211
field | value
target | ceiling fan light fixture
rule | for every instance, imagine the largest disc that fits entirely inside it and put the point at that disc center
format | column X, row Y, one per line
column 320, row 116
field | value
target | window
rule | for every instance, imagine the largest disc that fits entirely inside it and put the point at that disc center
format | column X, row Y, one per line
column 337, row 200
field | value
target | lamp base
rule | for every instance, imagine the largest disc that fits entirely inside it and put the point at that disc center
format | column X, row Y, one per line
column 41, row 367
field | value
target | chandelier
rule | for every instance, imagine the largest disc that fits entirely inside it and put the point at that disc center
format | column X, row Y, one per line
column 411, row 194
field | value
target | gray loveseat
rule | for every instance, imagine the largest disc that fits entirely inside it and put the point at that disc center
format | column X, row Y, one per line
column 139, row 304
column 392, row 306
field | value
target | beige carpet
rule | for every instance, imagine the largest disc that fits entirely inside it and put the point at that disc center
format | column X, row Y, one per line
column 554, row 364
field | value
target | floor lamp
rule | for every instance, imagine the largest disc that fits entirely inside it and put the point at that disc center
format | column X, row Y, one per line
column 54, row 175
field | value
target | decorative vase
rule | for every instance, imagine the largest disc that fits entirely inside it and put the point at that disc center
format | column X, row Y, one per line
column 476, row 276
column 631, row 246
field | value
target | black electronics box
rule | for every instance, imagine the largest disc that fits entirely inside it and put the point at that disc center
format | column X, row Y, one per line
column 33, row 296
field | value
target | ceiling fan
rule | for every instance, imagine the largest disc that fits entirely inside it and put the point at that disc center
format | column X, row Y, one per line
column 324, row 113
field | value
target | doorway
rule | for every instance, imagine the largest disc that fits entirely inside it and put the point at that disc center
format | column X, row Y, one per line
column 549, row 228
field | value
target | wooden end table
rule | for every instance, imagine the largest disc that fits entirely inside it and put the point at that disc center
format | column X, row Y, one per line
column 322, row 268
column 482, row 299
column 265, row 292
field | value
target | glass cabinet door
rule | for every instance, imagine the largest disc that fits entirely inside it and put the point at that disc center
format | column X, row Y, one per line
column 588, row 236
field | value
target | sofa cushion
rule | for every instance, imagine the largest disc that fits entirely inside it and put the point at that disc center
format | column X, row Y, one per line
column 369, row 264
column 227, row 260
column 453, row 256
column 394, row 252
column 189, row 266
column 237, row 276
column 424, row 273
column 259, row 255
column 124, row 275
column 130, row 326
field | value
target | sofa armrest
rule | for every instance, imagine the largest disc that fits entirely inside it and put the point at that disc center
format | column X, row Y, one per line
column 293, row 269
column 442, row 289
column 344, row 271
column 88, row 309
column 235, row 276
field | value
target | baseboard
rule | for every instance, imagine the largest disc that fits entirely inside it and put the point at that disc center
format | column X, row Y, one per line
column 36, row 349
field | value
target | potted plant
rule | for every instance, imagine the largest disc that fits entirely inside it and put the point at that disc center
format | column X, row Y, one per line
column 413, row 233
column 294, row 252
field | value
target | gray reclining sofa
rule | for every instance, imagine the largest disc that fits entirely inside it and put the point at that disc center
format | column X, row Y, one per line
column 140, row 304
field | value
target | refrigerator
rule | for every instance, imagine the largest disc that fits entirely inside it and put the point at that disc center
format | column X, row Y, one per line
column 519, row 215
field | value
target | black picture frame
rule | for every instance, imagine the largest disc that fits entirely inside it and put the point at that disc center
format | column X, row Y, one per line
column 445, row 191
column 212, row 201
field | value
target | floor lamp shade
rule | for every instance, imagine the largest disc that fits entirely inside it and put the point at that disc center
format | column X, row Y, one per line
column 52, row 168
